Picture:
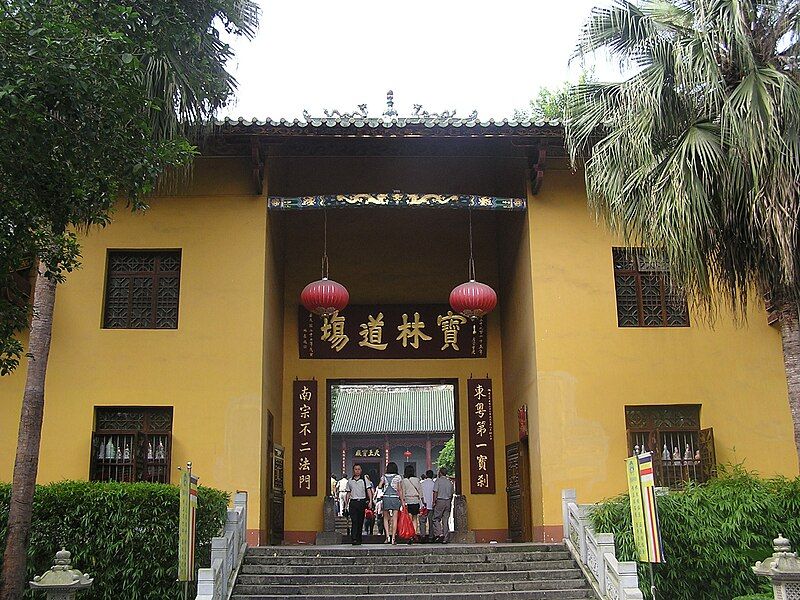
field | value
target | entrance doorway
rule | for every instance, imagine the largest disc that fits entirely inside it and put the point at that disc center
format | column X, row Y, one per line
column 375, row 422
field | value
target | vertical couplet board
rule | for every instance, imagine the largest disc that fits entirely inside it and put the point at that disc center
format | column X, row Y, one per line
column 304, row 455
column 481, row 436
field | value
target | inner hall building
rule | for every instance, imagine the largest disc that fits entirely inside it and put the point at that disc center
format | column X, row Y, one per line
column 182, row 336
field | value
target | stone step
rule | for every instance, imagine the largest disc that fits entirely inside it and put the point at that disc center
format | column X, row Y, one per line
column 566, row 594
column 391, row 567
column 432, row 558
column 389, row 550
column 356, row 589
column 272, row 579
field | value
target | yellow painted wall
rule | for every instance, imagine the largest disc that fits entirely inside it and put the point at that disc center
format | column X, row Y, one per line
column 519, row 349
column 234, row 354
column 210, row 369
column 390, row 256
column 589, row 368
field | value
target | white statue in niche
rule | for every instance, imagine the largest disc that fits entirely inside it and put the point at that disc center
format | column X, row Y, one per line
column 665, row 455
column 110, row 450
column 676, row 455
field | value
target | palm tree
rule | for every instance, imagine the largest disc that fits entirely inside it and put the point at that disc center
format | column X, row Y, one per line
column 697, row 152
column 183, row 70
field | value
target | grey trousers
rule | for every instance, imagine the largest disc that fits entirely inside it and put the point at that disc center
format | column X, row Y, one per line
column 441, row 518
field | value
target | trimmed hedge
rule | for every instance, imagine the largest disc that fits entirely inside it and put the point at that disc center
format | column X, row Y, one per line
column 125, row 535
column 713, row 534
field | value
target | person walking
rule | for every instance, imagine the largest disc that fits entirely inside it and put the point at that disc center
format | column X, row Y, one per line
column 392, row 501
column 412, row 492
column 442, row 499
column 341, row 488
column 359, row 496
column 379, row 510
column 426, row 511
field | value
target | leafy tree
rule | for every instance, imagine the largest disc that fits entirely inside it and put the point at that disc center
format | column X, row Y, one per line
column 697, row 152
column 550, row 104
column 97, row 100
column 447, row 456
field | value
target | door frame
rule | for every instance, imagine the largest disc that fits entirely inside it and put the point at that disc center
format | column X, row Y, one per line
column 454, row 382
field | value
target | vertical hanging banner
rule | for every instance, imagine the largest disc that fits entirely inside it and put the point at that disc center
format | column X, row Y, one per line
column 655, row 545
column 187, row 524
column 304, row 455
column 637, row 508
column 481, row 436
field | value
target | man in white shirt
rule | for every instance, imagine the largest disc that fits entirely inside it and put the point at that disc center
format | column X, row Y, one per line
column 359, row 497
column 426, row 520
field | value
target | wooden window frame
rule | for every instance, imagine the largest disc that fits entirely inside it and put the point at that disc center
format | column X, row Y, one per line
column 138, row 466
column 667, row 314
column 155, row 275
column 656, row 424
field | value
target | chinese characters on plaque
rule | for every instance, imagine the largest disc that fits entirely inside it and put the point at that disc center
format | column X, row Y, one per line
column 367, row 452
column 392, row 331
column 304, row 455
column 481, row 436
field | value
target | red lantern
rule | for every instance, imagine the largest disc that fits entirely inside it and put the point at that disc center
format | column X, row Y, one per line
column 473, row 299
column 407, row 454
column 324, row 296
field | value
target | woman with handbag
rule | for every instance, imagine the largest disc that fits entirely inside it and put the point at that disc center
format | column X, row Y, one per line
column 412, row 492
column 391, row 501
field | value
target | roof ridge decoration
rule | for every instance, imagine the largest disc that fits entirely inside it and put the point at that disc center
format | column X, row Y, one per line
column 390, row 114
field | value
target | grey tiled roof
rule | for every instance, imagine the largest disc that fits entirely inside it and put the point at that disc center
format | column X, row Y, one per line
column 394, row 409
column 387, row 123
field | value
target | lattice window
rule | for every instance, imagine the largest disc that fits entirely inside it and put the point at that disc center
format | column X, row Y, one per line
column 142, row 289
column 645, row 296
column 682, row 451
column 131, row 444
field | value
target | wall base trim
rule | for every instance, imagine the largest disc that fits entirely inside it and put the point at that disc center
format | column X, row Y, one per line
column 292, row 538
column 548, row 533
column 484, row 536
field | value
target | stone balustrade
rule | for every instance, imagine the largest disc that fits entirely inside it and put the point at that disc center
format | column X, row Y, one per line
column 596, row 553
column 227, row 552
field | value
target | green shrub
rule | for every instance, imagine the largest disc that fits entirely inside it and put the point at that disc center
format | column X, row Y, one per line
column 713, row 534
column 769, row 596
column 125, row 535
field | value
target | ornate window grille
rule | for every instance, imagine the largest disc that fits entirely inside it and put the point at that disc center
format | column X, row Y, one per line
column 142, row 290
column 131, row 444
column 645, row 295
column 682, row 451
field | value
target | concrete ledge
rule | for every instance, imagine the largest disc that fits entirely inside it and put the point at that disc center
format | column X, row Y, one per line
column 328, row 539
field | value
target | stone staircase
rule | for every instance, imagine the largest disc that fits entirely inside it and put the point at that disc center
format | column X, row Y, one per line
column 418, row 572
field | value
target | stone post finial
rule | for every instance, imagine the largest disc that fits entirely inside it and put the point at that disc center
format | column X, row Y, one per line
column 781, row 545
column 62, row 581
column 782, row 569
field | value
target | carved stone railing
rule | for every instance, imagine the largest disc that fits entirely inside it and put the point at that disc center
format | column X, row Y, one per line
column 227, row 552
column 596, row 553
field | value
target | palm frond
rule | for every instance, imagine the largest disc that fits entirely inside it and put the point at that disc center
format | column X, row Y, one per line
column 697, row 152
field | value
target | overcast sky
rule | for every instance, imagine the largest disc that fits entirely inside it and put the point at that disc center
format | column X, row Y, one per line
column 489, row 55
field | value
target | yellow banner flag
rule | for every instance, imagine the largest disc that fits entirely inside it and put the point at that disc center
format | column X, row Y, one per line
column 637, row 510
